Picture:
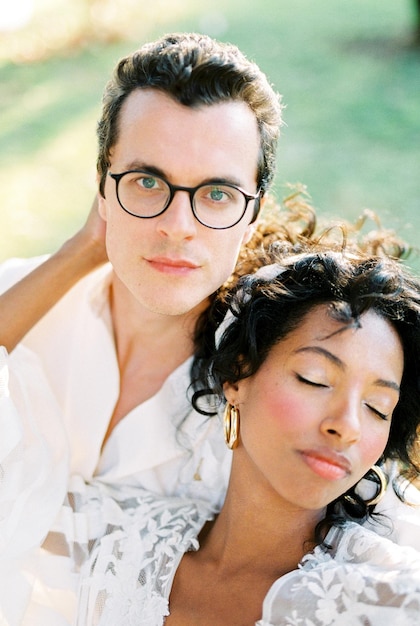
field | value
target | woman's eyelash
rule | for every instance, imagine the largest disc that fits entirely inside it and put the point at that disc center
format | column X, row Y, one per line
column 309, row 382
column 383, row 416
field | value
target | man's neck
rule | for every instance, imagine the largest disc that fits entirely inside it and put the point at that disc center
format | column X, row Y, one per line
column 149, row 347
column 138, row 329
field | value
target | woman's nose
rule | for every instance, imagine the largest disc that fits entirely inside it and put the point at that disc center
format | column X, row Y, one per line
column 344, row 422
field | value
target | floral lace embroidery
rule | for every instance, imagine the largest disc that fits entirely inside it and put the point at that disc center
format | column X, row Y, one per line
column 132, row 568
column 363, row 580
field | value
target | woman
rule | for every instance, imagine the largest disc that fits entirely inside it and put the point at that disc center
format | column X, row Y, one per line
column 318, row 360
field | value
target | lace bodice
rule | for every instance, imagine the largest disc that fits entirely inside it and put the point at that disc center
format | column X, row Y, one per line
column 361, row 580
column 129, row 576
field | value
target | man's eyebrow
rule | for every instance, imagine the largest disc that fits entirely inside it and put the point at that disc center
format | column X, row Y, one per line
column 153, row 169
column 141, row 165
column 380, row 382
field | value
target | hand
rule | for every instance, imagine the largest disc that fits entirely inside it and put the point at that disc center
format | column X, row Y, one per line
column 90, row 239
column 26, row 302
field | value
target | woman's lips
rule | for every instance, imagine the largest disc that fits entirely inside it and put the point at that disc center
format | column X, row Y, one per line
column 327, row 463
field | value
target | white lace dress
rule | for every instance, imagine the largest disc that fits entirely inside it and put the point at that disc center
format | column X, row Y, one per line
column 361, row 580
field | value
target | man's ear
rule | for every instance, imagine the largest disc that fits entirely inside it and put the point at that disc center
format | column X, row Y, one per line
column 101, row 201
column 102, row 206
column 251, row 227
column 248, row 233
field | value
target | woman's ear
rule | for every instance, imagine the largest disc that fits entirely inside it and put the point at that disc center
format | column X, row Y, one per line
column 235, row 393
column 231, row 391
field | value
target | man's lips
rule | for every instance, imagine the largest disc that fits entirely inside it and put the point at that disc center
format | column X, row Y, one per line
column 327, row 463
column 171, row 265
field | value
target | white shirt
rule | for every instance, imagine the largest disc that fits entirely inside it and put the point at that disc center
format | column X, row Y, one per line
column 58, row 390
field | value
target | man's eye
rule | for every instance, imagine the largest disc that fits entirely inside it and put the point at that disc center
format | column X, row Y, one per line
column 218, row 194
column 147, row 182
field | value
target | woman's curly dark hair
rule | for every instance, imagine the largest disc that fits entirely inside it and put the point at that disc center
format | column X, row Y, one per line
column 286, row 228
column 266, row 308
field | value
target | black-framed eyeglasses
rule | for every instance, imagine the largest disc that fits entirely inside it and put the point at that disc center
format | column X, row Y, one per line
column 215, row 205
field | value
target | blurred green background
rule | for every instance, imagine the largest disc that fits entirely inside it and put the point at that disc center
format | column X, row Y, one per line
column 348, row 70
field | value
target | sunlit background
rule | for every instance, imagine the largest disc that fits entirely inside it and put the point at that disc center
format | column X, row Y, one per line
column 348, row 70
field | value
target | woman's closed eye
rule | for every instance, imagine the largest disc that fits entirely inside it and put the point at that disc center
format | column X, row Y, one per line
column 310, row 381
column 316, row 382
column 381, row 414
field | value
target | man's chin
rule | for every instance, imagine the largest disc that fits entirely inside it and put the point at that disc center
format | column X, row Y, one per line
column 173, row 308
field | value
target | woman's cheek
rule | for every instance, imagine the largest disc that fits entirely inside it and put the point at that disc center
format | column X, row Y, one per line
column 373, row 444
column 289, row 409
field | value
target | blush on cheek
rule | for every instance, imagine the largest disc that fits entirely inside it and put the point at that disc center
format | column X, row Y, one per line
column 290, row 410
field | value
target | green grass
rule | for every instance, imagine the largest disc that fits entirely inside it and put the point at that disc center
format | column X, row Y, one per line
column 348, row 75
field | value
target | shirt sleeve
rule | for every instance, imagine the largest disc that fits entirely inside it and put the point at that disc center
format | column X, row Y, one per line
column 33, row 472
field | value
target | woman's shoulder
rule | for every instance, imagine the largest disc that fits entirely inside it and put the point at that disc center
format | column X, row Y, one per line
column 358, row 573
column 353, row 543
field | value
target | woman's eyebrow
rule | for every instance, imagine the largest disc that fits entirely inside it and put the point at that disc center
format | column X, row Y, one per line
column 387, row 383
column 326, row 353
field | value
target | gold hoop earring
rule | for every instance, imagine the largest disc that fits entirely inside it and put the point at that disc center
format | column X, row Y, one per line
column 231, row 426
column 381, row 482
column 382, row 485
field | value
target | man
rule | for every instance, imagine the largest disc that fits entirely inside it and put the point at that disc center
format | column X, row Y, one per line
column 187, row 143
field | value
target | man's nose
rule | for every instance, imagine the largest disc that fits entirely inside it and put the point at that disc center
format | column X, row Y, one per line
column 178, row 221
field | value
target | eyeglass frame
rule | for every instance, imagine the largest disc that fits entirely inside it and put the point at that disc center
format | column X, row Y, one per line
column 191, row 192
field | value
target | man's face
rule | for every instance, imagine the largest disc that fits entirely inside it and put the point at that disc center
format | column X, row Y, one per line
column 171, row 263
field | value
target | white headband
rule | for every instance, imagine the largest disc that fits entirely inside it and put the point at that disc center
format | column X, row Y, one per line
column 267, row 272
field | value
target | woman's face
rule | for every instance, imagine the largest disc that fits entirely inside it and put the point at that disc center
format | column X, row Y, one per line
column 317, row 414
